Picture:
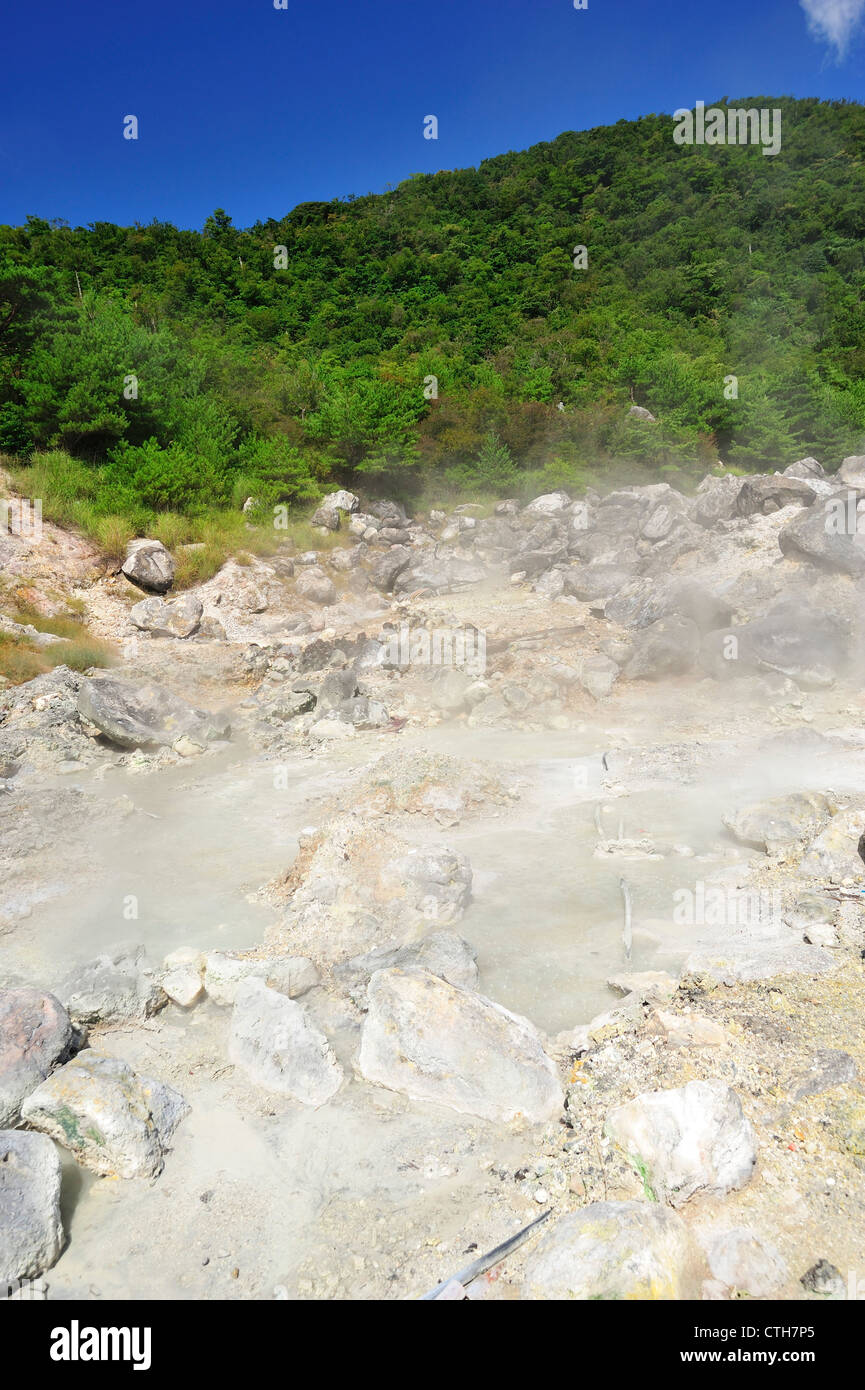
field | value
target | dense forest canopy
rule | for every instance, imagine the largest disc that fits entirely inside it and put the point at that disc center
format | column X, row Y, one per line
column 183, row 369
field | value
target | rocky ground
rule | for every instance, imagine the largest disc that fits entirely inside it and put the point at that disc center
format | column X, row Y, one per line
column 472, row 867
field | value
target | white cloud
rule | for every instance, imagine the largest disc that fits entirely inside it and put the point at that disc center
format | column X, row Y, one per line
column 834, row 21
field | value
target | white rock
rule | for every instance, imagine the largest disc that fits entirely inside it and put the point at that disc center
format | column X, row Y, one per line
column 183, row 986
column 692, row 1139
column 274, row 1041
column 744, row 1262
column 435, row 1042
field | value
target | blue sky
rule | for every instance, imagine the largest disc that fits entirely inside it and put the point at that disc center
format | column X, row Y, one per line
column 254, row 109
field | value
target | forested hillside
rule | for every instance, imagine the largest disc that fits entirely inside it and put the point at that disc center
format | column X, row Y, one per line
column 269, row 378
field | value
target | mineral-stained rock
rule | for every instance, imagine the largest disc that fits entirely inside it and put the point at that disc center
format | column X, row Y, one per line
column 692, row 1139
column 434, row 1042
column 836, row 853
column 617, row 1250
column 35, row 1032
column 781, row 823
column 275, row 1042
column 31, row 1231
column 113, row 1121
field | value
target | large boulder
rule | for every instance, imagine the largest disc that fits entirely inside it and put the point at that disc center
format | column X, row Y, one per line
column 549, row 504
column 35, row 1033
column 442, row 953
column 117, row 986
column 278, row 1046
column 837, row 852
column 827, row 536
column 434, row 1042
column 781, row 823
column 808, row 468
column 793, row 639
column 645, row 601
column 389, row 566
column 438, row 879
column 772, row 492
column 114, row 1122
column 852, row 472
column 716, row 499
column 31, row 1230
column 669, row 647
column 146, row 715
column 692, row 1139
column 314, row 585
column 149, row 566
column 178, row 618
column 616, row 1250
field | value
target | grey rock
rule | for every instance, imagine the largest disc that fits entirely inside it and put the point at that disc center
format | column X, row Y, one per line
column 829, row 1067
column 434, row 1042
column 35, row 1033
column 824, row 1280
column 595, row 581
column 772, row 492
column 145, row 715
column 852, row 471
column 388, row 567
column 824, row 536
column 716, row 499
column 116, row 987
column 442, row 953
column 616, row 1251
column 180, row 617
column 793, row 639
column 807, row 468
column 639, row 412
column 645, row 601
column 149, row 566
column 314, row 585
column 689, row 1140
column 669, row 647
column 31, row 1230
column 274, row 1041
column 112, row 1120
column 598, row 675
